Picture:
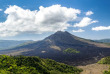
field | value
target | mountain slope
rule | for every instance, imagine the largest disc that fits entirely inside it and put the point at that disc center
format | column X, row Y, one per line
column 53, row 46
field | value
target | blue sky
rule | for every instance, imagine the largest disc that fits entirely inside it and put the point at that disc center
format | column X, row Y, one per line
column 100, row 17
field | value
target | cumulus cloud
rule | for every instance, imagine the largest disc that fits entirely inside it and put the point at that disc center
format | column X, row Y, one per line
column 79, row 30
column 85, row 22
column 101, row 28
column 89, row 13
column 46, row 19
column 1, row 10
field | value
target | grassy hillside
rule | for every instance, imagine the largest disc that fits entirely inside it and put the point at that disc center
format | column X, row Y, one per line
column 71, row 50
column 105, row 60
column 33, row 65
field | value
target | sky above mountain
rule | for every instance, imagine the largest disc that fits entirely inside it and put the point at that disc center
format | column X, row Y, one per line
column 36, row 19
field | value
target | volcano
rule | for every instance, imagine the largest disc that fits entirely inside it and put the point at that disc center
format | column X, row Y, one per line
column 53, row 47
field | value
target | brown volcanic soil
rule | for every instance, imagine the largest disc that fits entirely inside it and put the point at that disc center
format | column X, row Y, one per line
column 94, row 68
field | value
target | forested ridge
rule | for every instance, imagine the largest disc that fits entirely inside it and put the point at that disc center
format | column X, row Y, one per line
column 33, row 65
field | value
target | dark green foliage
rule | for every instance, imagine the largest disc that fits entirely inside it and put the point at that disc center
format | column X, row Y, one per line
column 33, row 65
column 107, row 72
column 105, row 60
column 71, row 50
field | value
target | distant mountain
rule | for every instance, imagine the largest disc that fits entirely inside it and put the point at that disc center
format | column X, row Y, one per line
column 53, row 47
column 6, row 44
column 103, row 40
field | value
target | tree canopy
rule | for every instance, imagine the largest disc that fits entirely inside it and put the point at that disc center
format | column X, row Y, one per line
column 33, row 65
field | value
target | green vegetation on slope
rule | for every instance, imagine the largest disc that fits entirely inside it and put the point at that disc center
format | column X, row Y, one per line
column 33, row 65
column 71, row 50
column 105, row 60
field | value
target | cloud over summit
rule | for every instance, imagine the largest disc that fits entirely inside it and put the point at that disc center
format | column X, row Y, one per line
column 46, row 19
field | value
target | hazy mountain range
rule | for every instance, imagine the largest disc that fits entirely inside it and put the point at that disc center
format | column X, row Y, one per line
column 103, row 40
column 6, row 44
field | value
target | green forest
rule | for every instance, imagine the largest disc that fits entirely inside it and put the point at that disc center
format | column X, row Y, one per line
column 33, row 65
column 105, row 60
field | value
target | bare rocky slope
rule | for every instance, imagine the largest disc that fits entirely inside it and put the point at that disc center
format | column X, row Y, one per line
column 53, row 46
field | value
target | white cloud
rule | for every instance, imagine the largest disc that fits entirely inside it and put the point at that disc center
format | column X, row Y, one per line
column 79, row 30
column 89, row 13
column 1, row 10
column 85, row 22
column 46, row 19
column 101, row 28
